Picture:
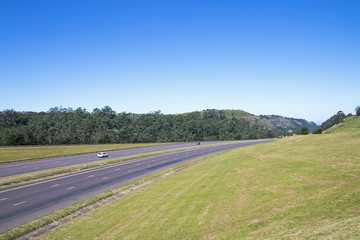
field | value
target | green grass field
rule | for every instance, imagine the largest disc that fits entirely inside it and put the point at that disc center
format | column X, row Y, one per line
column 302, row 187
column 32, row 152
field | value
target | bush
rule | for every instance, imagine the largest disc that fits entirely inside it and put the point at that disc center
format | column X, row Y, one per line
column 318, row 131
column 304, row 131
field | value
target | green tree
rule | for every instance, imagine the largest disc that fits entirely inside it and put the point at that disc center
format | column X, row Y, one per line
column 304, row 131
column 318, row 131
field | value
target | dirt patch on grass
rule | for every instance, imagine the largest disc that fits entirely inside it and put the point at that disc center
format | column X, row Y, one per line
column 255, row 221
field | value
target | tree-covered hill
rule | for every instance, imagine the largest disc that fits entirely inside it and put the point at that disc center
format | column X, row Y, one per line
column 69, row 126
column 287, row 124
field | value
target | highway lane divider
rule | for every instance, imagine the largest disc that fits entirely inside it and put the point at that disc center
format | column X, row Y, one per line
column 16, row 181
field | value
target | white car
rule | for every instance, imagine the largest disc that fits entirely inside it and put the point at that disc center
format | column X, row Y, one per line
column 102, row 154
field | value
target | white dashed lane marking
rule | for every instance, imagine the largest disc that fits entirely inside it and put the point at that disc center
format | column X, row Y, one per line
column 3, row 199
column 55, row 185
column 16, row 204
column 71, row 188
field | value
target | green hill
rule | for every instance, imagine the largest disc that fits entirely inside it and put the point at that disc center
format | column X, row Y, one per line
column 287, row 124
column 236, row 113
column 280, row 123
column 224, row 112
column 349, row 124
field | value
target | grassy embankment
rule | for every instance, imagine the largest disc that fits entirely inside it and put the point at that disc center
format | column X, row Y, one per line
column 302, row 187
column 34, row 152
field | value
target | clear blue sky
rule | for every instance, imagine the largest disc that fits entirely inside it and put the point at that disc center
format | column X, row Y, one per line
column 296, row 58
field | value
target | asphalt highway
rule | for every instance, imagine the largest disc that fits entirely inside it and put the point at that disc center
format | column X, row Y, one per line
column 7, row 170
column 22, row 204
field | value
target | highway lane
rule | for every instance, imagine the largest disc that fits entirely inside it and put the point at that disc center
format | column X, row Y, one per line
column 22, row 204
column 7, row 170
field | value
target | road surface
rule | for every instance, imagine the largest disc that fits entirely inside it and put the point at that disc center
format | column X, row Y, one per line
column 7, row 170
column 22, row 204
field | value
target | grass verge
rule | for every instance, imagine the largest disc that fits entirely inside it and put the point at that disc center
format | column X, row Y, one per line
column 303, row 187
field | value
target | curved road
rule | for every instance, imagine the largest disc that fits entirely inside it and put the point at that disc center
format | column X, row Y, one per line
column 25, row 203
column 7, row 170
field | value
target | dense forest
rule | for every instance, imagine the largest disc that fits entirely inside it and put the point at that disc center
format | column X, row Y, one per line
column 69, row 126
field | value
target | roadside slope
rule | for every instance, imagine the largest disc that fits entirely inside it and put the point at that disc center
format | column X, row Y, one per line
column 349, row 124
column 303, row 187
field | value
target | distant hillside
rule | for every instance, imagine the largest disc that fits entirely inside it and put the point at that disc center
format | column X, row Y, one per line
column 224, row 112
column 281, row 123
column 236, row 113
column 349, row 124
column 285, row 124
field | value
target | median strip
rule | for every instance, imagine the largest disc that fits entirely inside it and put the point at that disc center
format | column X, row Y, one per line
column 16, row 181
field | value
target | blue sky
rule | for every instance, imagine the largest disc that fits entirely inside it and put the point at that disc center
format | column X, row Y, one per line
column 298, row 58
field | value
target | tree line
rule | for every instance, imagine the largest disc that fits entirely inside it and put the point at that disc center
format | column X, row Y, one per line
column 69, row 126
